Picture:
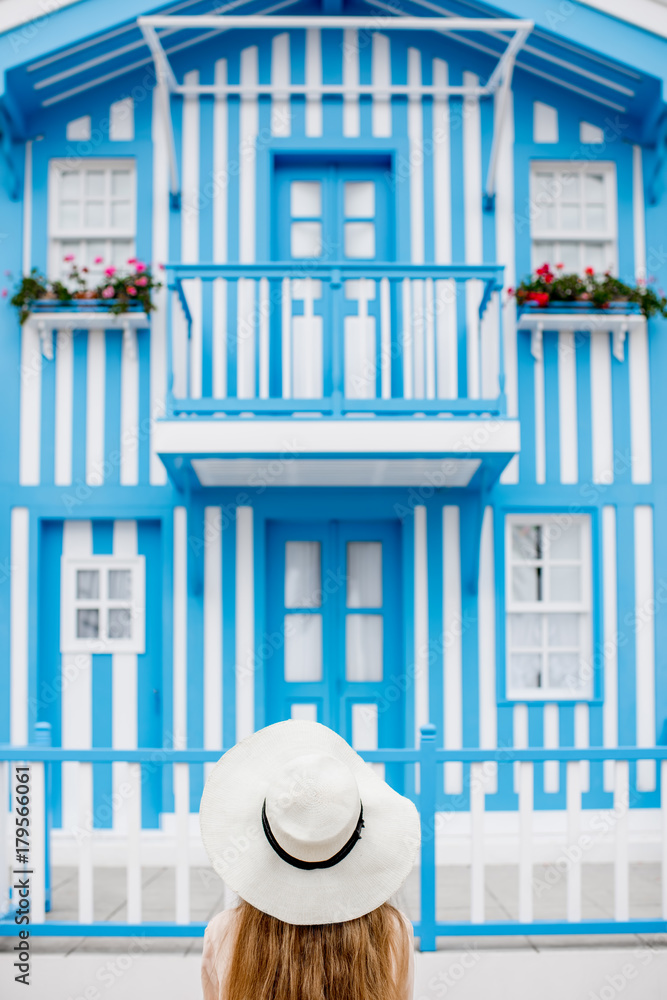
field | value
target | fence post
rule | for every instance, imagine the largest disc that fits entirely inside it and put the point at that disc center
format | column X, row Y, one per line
column 43, row 737
column 5, row 771
column 427, row 786
column 39, row 838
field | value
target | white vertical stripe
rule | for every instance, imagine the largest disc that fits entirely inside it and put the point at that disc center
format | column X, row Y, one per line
column 5, row 827
column 520, row 730
column 445, row 292
column 133, row 854
column 567, row 408
column 190, row 226
column 601, row 417
column 27, row 209
column 488, row 704
column 280, row 80
column 421, row 621
column 645, row 642
column 526, row 789
column 62, row 474
column 477, row 789
column 407, row 339
column 472, row 206
column 129, row 410
column 364, row 726
column 77, row 688
column 638, row 213
column 95, row 391
column 610, row 639
column 31, row 405
column 124, row 692
column 551, row 739
column 505, row 254
column 158, row 334
column 82, row 774
column 622, row 817
column 574, row 852
column 381, row 78
column 453, row 708
column 37, row 843
column 640, row 405
column 540, row 419
column 220, row 196
column 219, row 352
column 18, row 645
column 313, row 79
column 180, row 629
column 582, row 738
column 416, row 138
column 246, row 338
column 182, row 853
column 351, row 119
column 245, row 623
column 213, row 628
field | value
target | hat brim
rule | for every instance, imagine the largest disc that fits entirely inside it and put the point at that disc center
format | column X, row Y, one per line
column 231, row 830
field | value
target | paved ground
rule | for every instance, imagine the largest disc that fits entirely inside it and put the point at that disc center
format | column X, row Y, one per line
column 207, row 896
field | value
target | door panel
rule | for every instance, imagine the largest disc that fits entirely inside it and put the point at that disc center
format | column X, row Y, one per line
column 333, row 600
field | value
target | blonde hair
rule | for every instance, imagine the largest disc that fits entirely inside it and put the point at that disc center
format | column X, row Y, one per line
column 362, row 959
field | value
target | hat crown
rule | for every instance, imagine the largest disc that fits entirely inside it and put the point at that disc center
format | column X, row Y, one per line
column 312, row 805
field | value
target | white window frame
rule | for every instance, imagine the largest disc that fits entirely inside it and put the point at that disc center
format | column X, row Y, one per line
column 540, row 233
column 583, row 607
column 70, row 604
column 58, row 235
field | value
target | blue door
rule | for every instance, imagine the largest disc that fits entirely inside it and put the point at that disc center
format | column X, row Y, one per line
column 334, row 598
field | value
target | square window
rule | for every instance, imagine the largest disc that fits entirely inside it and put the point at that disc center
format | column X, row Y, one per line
column 120, row 623
column 306, row 239
column 120, row 584
column 305, row 199
column 303, row 647
column 360, row 239
column 363, row 647
column 359, row 199
column 364, row 574
column 87, row 623
column 303, row 575
column 102, row 604
column 87, row 584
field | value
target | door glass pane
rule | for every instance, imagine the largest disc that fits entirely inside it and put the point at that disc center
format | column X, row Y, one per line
column 359, row 239
column 87, row 623
column 526, row 583
column 303, row 647
column 363, row 648
column 564, row 544
column 87, row 584
column 360, row 199
column 306, row 239
column 525, row 631
column 565, row 583
column 305, row 199
column 564, row 671
column 527, row 541
column 364, row 574
column 303, row 575
column 303, row 712
column 563, row 631
column 364, row 726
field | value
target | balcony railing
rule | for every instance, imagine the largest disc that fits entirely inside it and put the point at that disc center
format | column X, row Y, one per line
column 282, row 338
column 32, row 851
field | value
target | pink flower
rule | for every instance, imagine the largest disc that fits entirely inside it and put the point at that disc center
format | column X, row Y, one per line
column 98, row 260
column 108, row 292
column 110, row 271
column 161, row 266
column 131, row 290
column 69, row 257
column 140, row 266
column 132, row 260
column 584, row 295
column 560, row 266
column 142, row 282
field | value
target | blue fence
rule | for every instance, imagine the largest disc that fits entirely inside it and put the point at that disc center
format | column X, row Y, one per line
column 429, row 759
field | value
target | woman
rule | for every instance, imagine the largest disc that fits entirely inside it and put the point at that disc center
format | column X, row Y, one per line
column 314, row 843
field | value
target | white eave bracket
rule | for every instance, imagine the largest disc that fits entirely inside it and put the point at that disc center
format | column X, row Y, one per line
column 619, row 325
column 497, row 86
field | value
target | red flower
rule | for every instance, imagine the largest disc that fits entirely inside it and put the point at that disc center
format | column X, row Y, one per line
column 545, row 269
column 510, row 291
column 131, row 290
column 539, row 298
column 559, row 267
column 548, row 278
column 590, row 270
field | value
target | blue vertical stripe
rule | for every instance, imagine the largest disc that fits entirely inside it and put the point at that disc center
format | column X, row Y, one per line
column 101, row 666
column 620, row 412
column 113, row 344
column 48, row 423
column 551, row 408
column 228, row 524
column 149, row 672
column 195, row 644
column 584, row 421
column 80, row 383
column 145, row 421
column 49, row 685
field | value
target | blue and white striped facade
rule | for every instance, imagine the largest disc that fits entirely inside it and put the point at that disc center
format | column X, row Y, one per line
column 92, row 446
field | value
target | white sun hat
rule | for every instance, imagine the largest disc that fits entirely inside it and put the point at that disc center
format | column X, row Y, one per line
column 296, row 823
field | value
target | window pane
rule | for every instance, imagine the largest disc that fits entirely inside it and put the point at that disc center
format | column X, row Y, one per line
column 120, row 584
column 69, row 214
column 121, row 215
column 570, row 217
column 121, row 183
column 360, row 199
column 87, row 623
column 303, row 575
column 95, row 183
column 570, row 186
column 120, row 623
column 563, row 631
column 306, row 239
column 120, row 251
column 527, row 541
column 363, row 647
column 544, row 253
column 569, row 256
column 525, row 631
column 596, row 256
column 564, row 671
column 526, row 670
column 93, row 249
column 70, row 184
column 303, row 712
column 565, row 583
column 527, row 583
column 359, row 239
column 303, row 647
column 596, row 218
column 305, row 199
column 364, row 574
column 565, row 543
column 594, row 187
column 87, row 584
column 94, row 214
